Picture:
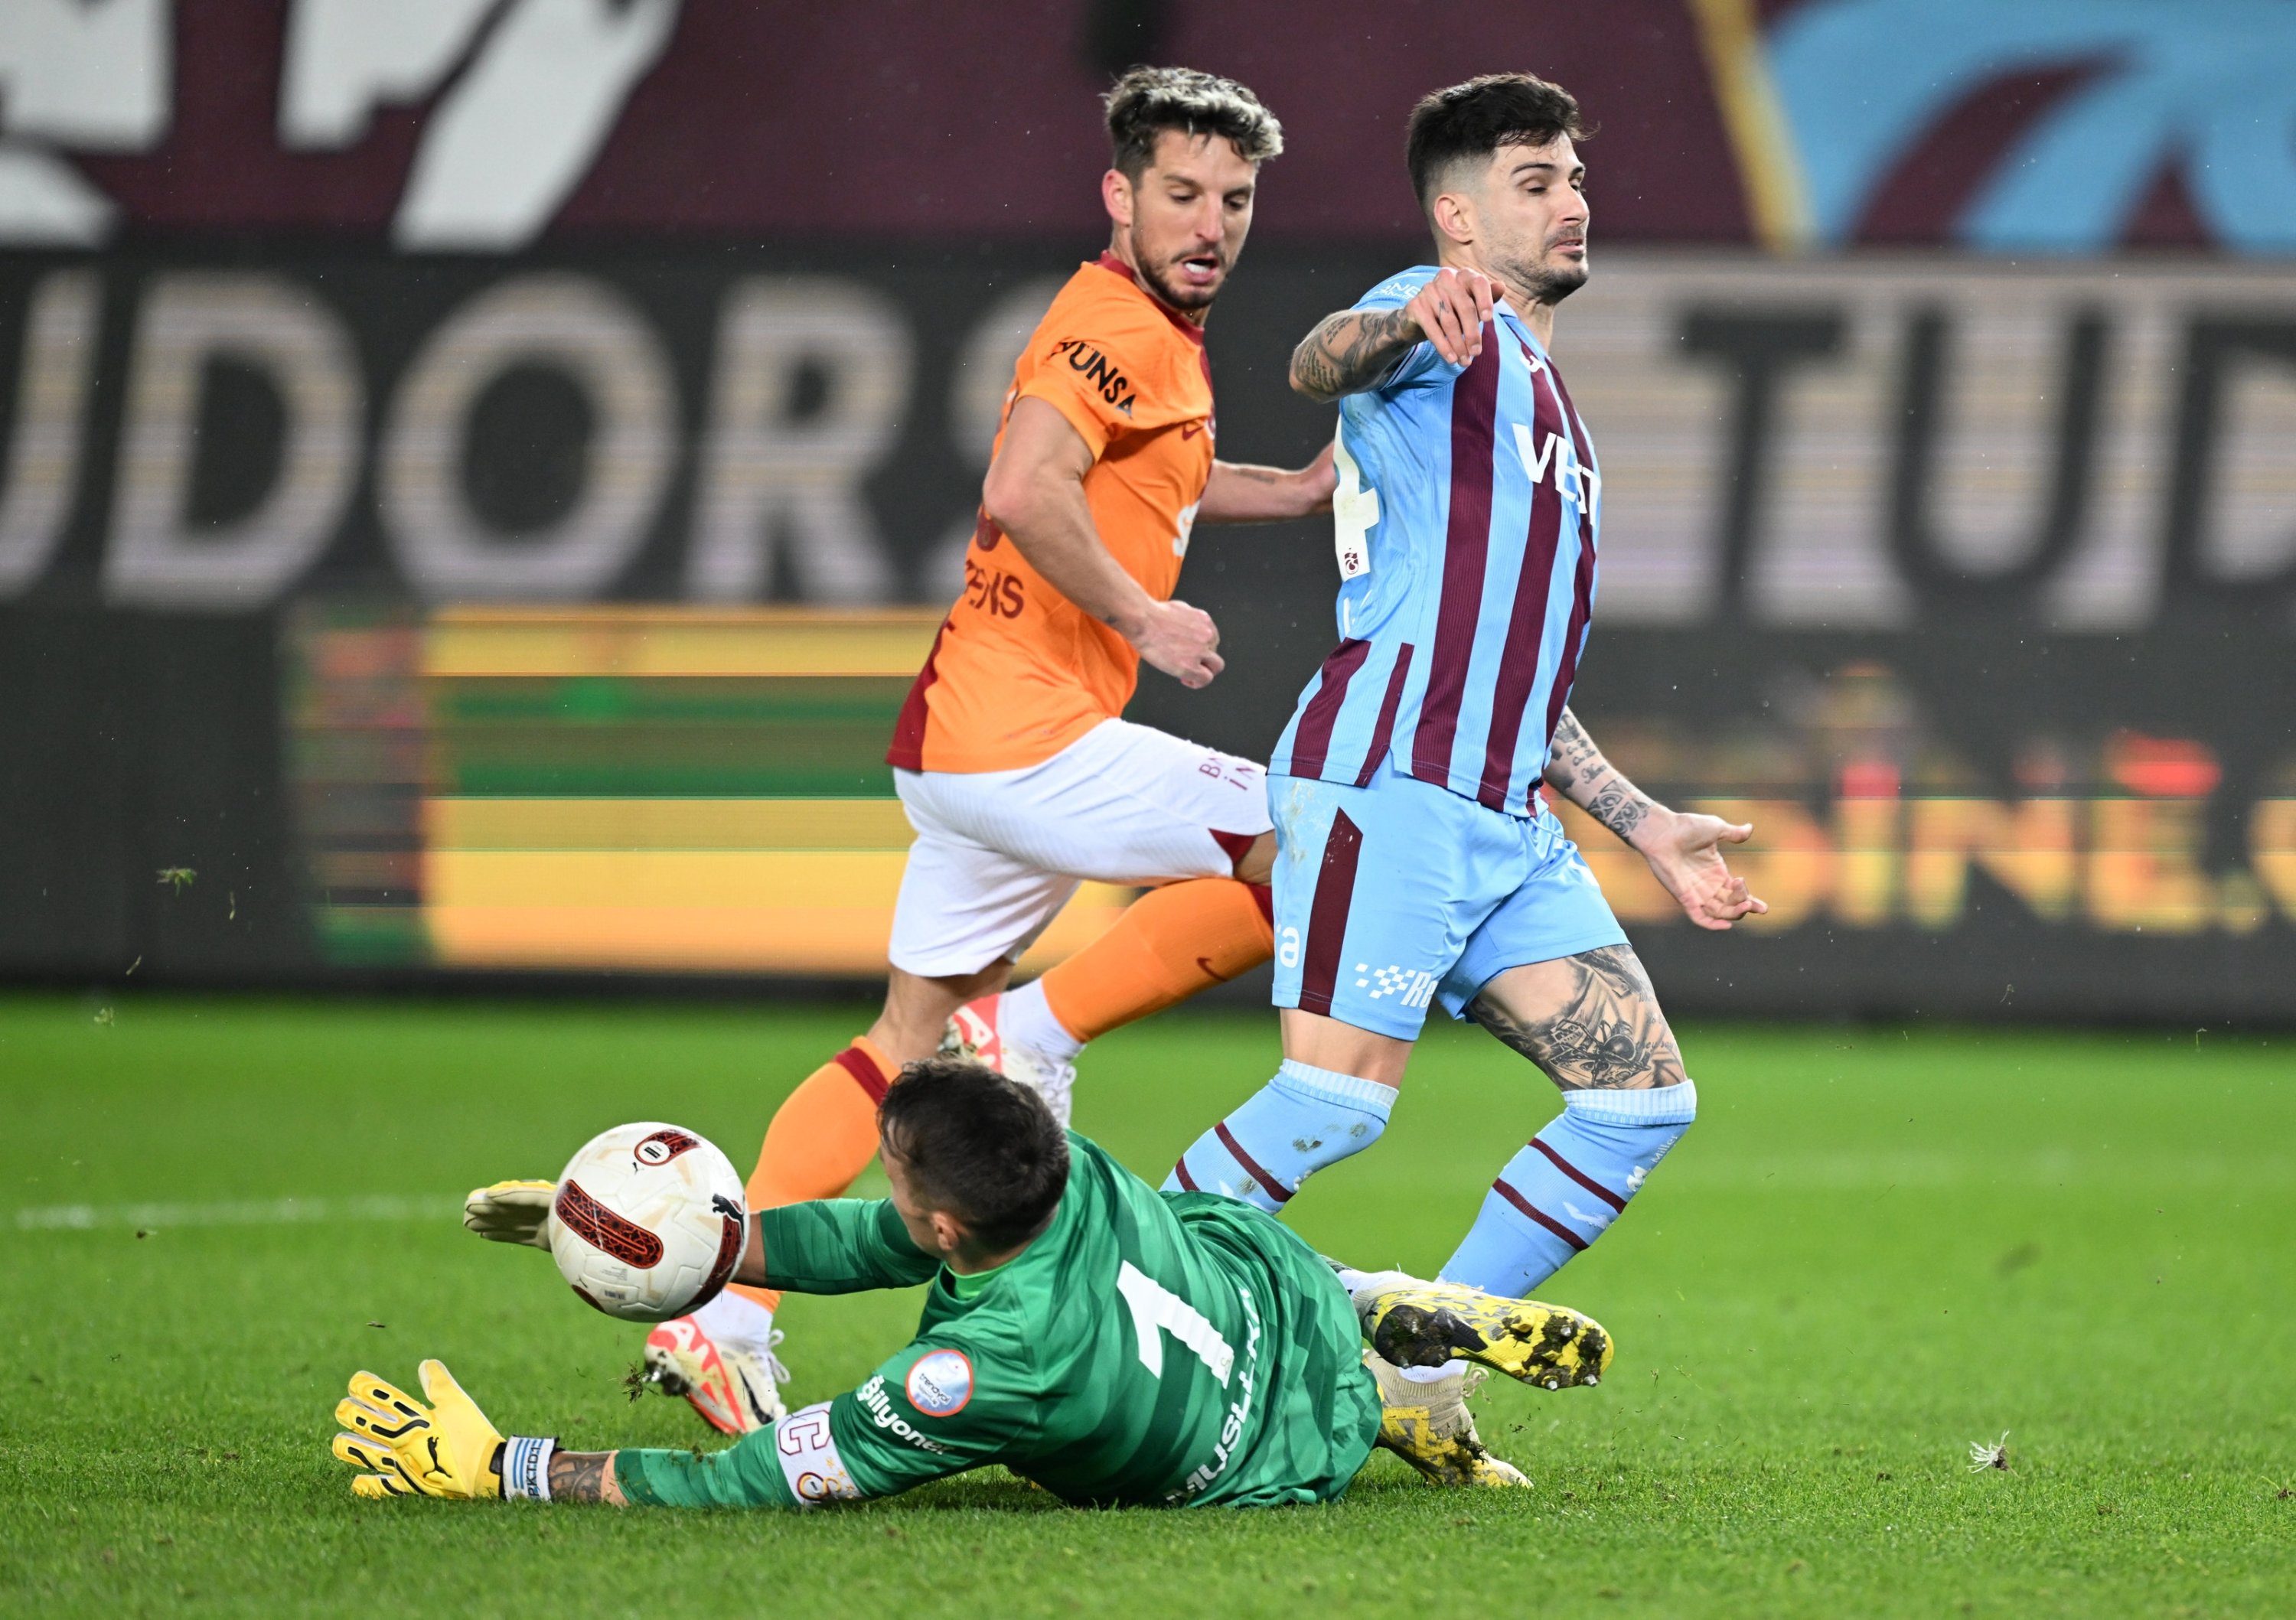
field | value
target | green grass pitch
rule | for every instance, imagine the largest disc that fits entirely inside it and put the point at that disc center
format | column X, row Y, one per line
column 1876, row 1247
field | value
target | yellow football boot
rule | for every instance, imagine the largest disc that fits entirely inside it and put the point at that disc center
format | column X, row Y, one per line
column 1429, row 1426
column 1424, row 1324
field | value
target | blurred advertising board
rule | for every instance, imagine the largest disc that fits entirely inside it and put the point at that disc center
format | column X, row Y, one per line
column 683, row 789
column 493, row 125
column 453, row 615
column 1955, row 823
column 610, row 788
column 1872, row 442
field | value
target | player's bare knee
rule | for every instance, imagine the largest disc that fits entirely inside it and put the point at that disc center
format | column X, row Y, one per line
column 1256, row 864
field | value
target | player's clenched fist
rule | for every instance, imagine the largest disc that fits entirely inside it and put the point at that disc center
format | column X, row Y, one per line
column 1451, row 309
column 1180, row 641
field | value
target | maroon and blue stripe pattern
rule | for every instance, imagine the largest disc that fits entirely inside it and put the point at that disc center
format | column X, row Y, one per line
column 1462, row 638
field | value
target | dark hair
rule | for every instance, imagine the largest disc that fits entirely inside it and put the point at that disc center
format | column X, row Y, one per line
column 1476, row 119
column 1148, row 101
column 983, row 1148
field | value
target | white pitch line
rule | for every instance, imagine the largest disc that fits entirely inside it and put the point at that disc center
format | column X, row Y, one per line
column 240, row 1212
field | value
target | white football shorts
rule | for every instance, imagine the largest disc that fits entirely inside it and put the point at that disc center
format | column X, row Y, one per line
column 998, row 853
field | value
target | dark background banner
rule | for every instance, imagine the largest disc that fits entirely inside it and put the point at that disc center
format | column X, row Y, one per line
column 1971, row 824
column 1969, row 584
column 494, row 124
column 1849, row 444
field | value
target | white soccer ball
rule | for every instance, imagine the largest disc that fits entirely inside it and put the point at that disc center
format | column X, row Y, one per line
column 649, row 1221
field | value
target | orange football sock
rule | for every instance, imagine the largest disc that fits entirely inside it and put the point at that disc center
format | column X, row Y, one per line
column 1169, row 944
column 820, row 1137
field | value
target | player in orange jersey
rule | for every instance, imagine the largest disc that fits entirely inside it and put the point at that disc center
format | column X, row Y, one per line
column 1011, row 756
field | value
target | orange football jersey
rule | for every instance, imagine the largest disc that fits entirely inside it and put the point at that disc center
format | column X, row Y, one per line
column 1018, row 671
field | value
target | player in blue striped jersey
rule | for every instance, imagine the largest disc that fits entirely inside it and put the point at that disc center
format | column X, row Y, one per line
column 1416, row 863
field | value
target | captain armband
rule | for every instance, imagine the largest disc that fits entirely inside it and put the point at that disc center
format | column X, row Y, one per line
column 525, row 1464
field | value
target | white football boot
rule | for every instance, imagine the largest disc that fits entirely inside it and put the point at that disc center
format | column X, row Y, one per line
column 733, row 1383
column 974, row 1031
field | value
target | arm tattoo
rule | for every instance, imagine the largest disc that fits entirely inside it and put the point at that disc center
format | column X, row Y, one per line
column 1565, row 757
column 1605, row 1033
column 1618, row 806
column 1574, row 748
column 1350, row 351
column 578, row 1475
column 1577, row 767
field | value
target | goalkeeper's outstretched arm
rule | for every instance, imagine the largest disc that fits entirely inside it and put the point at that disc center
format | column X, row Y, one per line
column 584, row 1476
column 440, row 1444
column 831, row 1246
column 923, row 1416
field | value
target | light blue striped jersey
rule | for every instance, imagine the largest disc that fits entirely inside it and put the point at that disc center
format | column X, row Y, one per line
column 1466, row 523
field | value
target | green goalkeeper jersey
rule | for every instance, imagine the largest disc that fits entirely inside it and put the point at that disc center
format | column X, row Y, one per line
column 1177, row 1348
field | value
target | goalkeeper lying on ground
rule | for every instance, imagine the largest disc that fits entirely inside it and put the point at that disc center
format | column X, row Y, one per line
column 1113, row 1343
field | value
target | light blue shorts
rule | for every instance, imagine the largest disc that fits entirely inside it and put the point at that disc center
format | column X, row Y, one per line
column 1391, row 897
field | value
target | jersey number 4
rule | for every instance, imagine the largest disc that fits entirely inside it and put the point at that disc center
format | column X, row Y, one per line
column 1157, row 1311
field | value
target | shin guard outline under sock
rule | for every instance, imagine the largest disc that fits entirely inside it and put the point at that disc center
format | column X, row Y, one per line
column 1302, row 1120
column 1564, row 1190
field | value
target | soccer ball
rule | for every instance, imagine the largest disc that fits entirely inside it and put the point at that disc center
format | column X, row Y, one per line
column 649, row 1223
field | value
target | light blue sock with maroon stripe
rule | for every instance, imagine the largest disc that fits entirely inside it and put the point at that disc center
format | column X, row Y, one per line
column 1561, row 1193
column 1300, row 1121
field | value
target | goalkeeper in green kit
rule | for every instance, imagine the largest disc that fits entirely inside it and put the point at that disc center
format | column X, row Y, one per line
column 1112, row 1344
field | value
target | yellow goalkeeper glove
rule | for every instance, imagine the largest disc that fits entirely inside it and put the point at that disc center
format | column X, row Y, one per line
column 511, row 1212
column 447, row 1448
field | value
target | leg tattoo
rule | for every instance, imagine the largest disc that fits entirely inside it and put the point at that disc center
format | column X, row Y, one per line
column 1603, row 1032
